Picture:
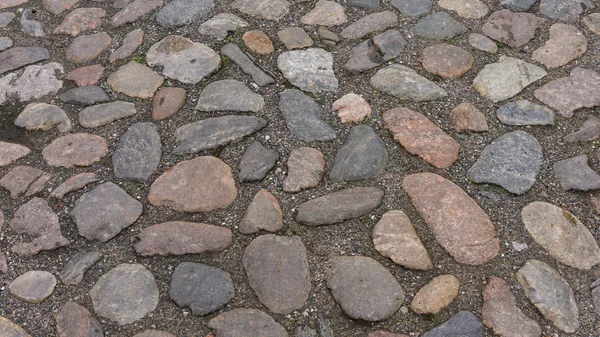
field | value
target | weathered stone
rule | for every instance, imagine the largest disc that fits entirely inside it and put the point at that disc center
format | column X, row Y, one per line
column 373, row 52
column 273, row 10
column 75, row 269
column 3, row 269
column 135, row 10
column 154, row 333
column 325, row 13
column 524, row 112
column 38, row 185
column 517, row 5
column 184, row 12
column 575, row 174
column 366, row 4
column 18, row 57
column 412, row 7
column 135, row 80
column 167, row 102
column 565, row 10
column 103, row 114
column 303, row 116
column 305, row 169
column 234, row 52
column 405, row 84
column 5, row 42
column 19, row 179
column 263, row 213
column 436, row 295
column 87, row 47
column 258, row 42
column 31, row 26
column 438, row 26
column 131, row 42
column 73, row 320
column 76, row 149
column 33, row 287
column 468, row 9
column 10, row 329
column 464, row 324
column 220, row 25
column 446, row 60
column 566, row 44
column 7, row 17
column 363, row 156
column 483, row 43
column 56, row 7
column 590, row 130
column 246, row 323
column 256, row 162
column 87, row 95
column 382, row 333
column 33, row 82
column 81, row 20
column 229, row 95
column 592, row 21
column 352, row 108
column 466, row 117
column 327, row 36
column 370, row 23
column 596, row 295
column 84, row 76
column 10, row 152
column 138, row 153
column 513, row 29
column 309, row 69
column 294, row 38
column 44, row 117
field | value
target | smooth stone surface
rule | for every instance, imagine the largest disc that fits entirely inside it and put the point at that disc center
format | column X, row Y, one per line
column 44, row 117
column 466, row 117
column 135, row 80
column 33, row 287
column 138, row 154
column 309, row 69
column 10, row 329
column 468, row 9
column 18, row 57
column 483, row 43
column 103, row 114
column 294, row 38
column 263, row 213
column 229, row 95
column 131, row 42
column 81, row 20
column 256, row 162
column 87, row 95
column 566, row 44
column 436, row 295
column 590, row 130
column 565, row 10
column 412, row 7
column 246, row 323
column 351, row 108
column 511, row 161
column 524, row 112
column 305, row 169
column 56, row 7
column 370, row 23
column 234, row 52
column 438, row 26
column 464, row 324
column 34, row 82
column 325, row 13
column 73, row 320
column 88, row 75
column 167, row 102
column 366, row 4
column 405, row 84
column 219, row 26
column 363, row 156
column 513, row 29
column 75, row 269
column 183, row 12
column 87, row 47
column 446, row 60
column 575, row 174
column 134, row 11
column 339, row 206
column 76, row 149
column 273, row 10
column 302, row 116
column 11, row 152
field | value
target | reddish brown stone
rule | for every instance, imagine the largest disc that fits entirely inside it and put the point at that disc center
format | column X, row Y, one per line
column 352, row 108
column 446, row 60
column 420, row 136
column 87, row 47
column 134, row 11
column 77, row 149
column 566, row 43
column 74, row 183
column 58, row 6
column 9, row 152
column 258, row 42
column 18, row 180
column 305, row 169
column 178, row 238
column 167, row 102
column 85, row 76
column 514, row 29
column 81, row 20
column 263, row 212
column 466, row 117
column 73, row 320
column 135, row 80
column 11, row 3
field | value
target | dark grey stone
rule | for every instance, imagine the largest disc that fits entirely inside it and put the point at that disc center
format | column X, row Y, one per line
column 77, row 266
column 234, row 52
column 87, row 95
column 302, row 116
column 590, row 130
column 138, row 153
column 575, row 174
column 364, row 156
column 31, row 27
column 202, row 288
column 565, row 10
column 517, row 5
column 373, row 52
column 524, row 112
column 512, row 161
column 324, row 326
column 367, row 4
column 438, row 26
column 184, row 12
column 256, row 162
column 463, row 324
column 214, row 132
column 229, row 95
column 412, row 7
column 305, row 331
column 102, row 114
column 18, row 57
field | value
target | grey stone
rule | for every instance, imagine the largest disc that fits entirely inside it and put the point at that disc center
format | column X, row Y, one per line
column 405, row 84
column 517, row 5
column 325, row 13
column 220, row 25
column 512, row 161
column 138, row 153
column 19, row 179
column 33, row 287
column 10, row 329
column 412, row 7
column 263, row 212
column 5, row 43
column 18, row 57
column 104, row 211
column 438, row 26
column 34, row 82
column 370, row 23
column 87, row 95
column 6, row 18
column 550, row 293
column 327, row 36
column 524, row 112
column 364, row 288
column 294, row 38
column 302, row 116
column 483, row 43
column 234, row 52
column 310, row 69
column 263, row 9
column 214, row 132
column 575, row 174
column 75, row 149
column 131, row 42
column 256, row 162
column 464, row 324
column 590, row 130
column 74, row 320
column 183, row 12
column 134, row 10
column 42, row 116
column 74, row 183
column 86, row 48
column 373, row 52
column 305, row 169
column 103, row 114
column 75, row 269
column 29, row 26
column 277, row 270
column 363, row 156
column 565, row 10
column 366, row 4
column 246, row 323
column 125, row 294
column 596, row 295
column 11, row 152
column 513, row 29
column 229, row 95
column 339, row 206
column 202, row 288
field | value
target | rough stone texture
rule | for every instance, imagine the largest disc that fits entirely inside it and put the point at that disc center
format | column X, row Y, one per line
column 31, row 26
column 6, row 17
column 517, row 5
column 87, row 47
column 219, row 26
column 87, row 95
column 305, row 169
column 18, row 57
column 56, row 7
column 273, row 10
column 363, row 156
column 364, row 288
column 309, row 69
column 352, row 108
column 258, row 42
column 20, row 179
column 263, row 213
column 104, row 211
column 256, row 162
column 596, row 295
column 438, row 26
column 466, row 117
column 524, row 112
column 590, row 130
column 339, row 206
column 33, row 287
column 138, row 154
column 325, row 13
column 459, row 225
column 550, row 293
column 592, row 22
column 468, row 9
column 446, row 60
column 513, row 29
column 134, row 11
column 75, row 269
column 81, row 20
column 73, row 320
column 395, row 237
column 234, row 52
column 84, row 76
column 420, row 136
column 412, row 7
column 33, row 82
column 483, row 43
column 327, row 36
column 202, row 184
column 370, row 23
column 184, row 12
column 131, row 42
column 44, row 117
column 154, row 333
column 246, row 323
column 5, row 42
column 179, row 238
column 566, row 44
column 229, row 95
column 202, row 288
column 277, row 270
column 405, row 84
column 302, row 116
column 135, row 80
column 366, row 4
column 10, row 329
column 167, row 102
column 10, row 152
column 464, row 324
column 125, row 294
column 382, row 333
column 373, row 52
column 76, row 149
column 294, row 38
column 512, row 161
column 103, row 114
column 565, row 10
column 436, row 295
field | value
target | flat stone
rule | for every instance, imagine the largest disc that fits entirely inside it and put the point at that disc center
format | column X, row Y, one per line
column 33, row 287
column 258, row 42
column 374, row 52
column 38, row 185
column 103, row 114
column 31, row 26
column 395, row 237
column 309, row 69
column 511, row 161
column 229, row 95
column 420, row 136
column 34, row 82
column 263, row 213
column 246, row 323
column 566, row 44
column 204, row 289
column 85, row 76
column 179, row 238
column 370, row 23
column 294, row 38
column 125, row 294
column 524, row 112
column 277, row 270
column 256, row 162
column 501, row 313
column 366, row 4
column 436, row 295
column 103, row 212
column 464, row 324
column 458, row 223
column 438, row 26
column 11, row 152
column 363, row 156
column 75, row 269
column 18, row 57
column 575, row 174
column 566, row 94
column 468, row 9
column 466, row 117
column 327, row 36
column 9, row 328
column 595, row 296
column 219, row 26
column 5, row 42
column 56, row 7
column 590, row 130
column 592, row 21
column 234, row 52
column 446, row 60
column 513, row 29
column 305, row 169
column 74, row 320
column 483, row 43
column 325, row 13
column 87, row 95
column 135, row 80
column 87, row 47
column 339, row 206
column 506, row 78
column 382, row 333
column 167, row 102
column 517, row 5
column 550, row 294
column 273, row 10
column 154, row 333
column 131, row 42
column 363, row 288
column 19, row 179
column 138, row 153
column 7, row 17
column 565, row 10
column 302, row 116
column 202, row 184
column 184, row 12
column 44, row 117
column 405, row 84
column 352, row 108
column 134, row 11
column 81, row 20
column 412, row 7
column 213, row 132
column 76, row 149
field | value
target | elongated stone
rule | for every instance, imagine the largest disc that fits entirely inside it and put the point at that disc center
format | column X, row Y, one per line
column 10, row 152
column 103, row 114
column 18, row 57
column 138, row 153
column 75, row 269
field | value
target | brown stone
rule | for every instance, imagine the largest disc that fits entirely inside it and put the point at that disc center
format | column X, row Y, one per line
column 10, row 152
column 436, row 295
column 10, row 329
column 179, row 238
column 305, row 169
column 87, row 47
column 513, row 29
column 77, row 149
column 19, row 179
column 154, row 333
column 85, row 76
column 590, row 130
column 131, row 42
column 592, row 21
column 264, row 213
column 468, row 9
column 134, row 11
column 167, row 102
column 74, row 183
column 246, row 323
column 33, row 286
column 446, row 60
column 258, row 42
column 326, row 13
column 135, row 80
column 294, row 38
column 73, row 320
column 81, row 20
column 202, row 184
column 466, row 117
column 352, row 108
column 56, row 7
column 420, row 136
column 566, row 43
column 459, row 225
column 501, row 313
